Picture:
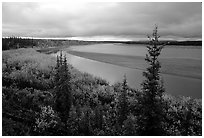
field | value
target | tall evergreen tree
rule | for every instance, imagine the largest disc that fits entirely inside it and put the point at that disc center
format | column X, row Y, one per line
column 57, row 76
column 151, row 118
column 123, row 105
column 63, row 97
column 60, row 58
column 66, row 72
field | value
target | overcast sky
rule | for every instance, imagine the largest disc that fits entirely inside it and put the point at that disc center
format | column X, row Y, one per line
column 125, row 21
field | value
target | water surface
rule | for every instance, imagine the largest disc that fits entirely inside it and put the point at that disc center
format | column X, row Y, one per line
column 175, row 85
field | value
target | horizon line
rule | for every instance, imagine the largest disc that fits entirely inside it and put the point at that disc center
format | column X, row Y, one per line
column 103, row 39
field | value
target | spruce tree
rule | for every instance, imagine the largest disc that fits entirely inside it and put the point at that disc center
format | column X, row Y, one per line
column 151, row 118
column 123, row 105
column 63, row 95
column 57, row 77
column 60, row 58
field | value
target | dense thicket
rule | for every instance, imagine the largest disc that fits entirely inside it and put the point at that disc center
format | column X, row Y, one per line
column 42, row 95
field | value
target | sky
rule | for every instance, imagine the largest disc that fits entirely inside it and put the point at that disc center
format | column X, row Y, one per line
column 103, row 20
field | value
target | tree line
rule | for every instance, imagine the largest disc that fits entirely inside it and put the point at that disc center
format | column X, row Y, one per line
column 17, row 42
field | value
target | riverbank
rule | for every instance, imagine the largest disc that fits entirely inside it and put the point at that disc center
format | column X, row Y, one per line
column 173, row 66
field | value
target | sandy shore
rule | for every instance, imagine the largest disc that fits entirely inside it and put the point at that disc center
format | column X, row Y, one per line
column 174, row 66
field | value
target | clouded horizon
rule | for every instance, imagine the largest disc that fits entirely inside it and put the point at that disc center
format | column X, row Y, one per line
column 122, row 21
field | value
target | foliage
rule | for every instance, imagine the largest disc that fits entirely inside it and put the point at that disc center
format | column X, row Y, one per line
column 47, row 122
column 183, row 116
column 20, row 108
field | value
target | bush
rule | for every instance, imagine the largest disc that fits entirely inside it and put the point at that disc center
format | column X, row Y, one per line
column 183, row 116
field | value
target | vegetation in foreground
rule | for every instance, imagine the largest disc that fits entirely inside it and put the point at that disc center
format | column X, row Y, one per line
column 43, row 97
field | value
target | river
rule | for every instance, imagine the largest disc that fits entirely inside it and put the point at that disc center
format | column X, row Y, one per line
column 187, row 62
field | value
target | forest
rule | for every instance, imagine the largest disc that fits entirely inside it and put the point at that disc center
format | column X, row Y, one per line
column 43, row 95
column 19, row 42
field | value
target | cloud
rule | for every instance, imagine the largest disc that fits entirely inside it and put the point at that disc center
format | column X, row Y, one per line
column 101, row 19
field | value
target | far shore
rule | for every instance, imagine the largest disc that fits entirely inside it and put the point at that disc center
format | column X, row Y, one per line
column 173, row 66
